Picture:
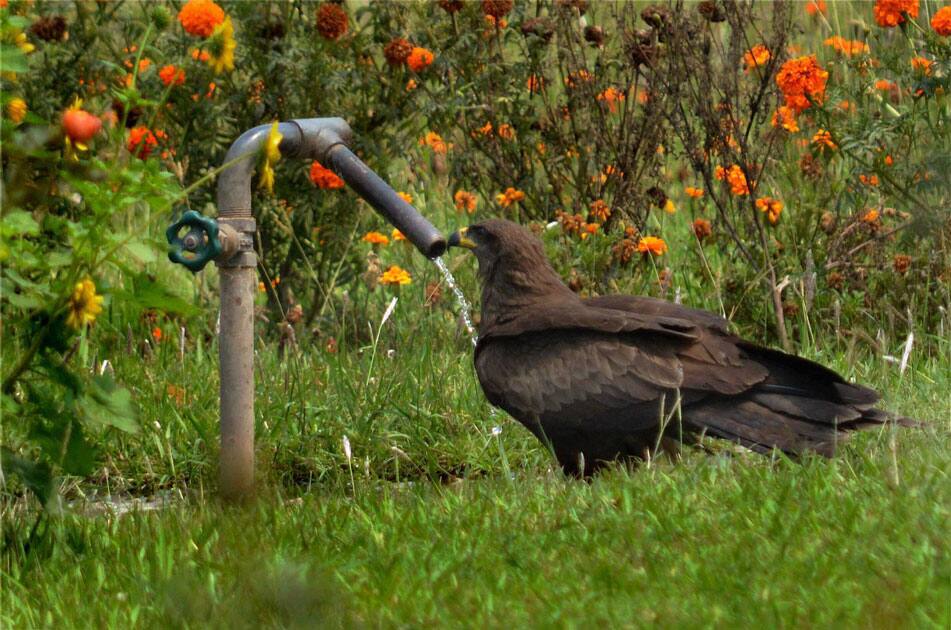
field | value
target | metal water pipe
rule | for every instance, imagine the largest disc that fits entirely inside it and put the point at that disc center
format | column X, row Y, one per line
column 229, row 241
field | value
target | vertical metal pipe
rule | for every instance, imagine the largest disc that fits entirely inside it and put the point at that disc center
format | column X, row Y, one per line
column 236, row 356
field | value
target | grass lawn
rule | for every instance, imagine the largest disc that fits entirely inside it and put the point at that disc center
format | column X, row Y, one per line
column 727, row 539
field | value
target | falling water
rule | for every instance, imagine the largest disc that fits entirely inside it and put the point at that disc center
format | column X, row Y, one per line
column 464, row 306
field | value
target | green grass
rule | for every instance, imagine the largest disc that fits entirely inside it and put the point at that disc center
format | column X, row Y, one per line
column 728, row 539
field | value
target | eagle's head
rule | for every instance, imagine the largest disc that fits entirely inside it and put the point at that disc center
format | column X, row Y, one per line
column 512, row 265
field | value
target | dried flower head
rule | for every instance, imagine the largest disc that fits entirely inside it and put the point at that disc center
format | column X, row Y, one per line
column 332, row 21
column 397, row 51
column 450, row 6
column 701, row 229
column 497, row 8
column 540, row 27
column 51, row 28
column 902, row 263
column 711, row 12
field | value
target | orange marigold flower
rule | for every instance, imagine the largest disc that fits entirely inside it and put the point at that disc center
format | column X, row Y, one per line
column 376, row 238
column 758, row 55
column 396, row 275
column 506, row 132
column 534, row 83
column 200, row 55
column 324, row 178
column 772, row 207
column 411, row 85
column 735, row 178
column 701, row 229
column 871, row 216
column 847, row 106
column 652, row 245
column 434, row 141
column 396, row 235
column 172, row 75
column 587, row 229
column 815, row 7
column 693, row 193
column 609, row 171
column 408, row 198
column 802, row 81
column 332, row 21
column 847, row 47
column 200, row 17
column 419, row 59
column 823, row 139
column 869, row 180
column 885, row 85
column 922, row 64
column 141, row 142
column 612, row 97
column 465, row 200
column 510, row 196
column 785, row 117
column 888, row 160
column 941, row 21
column 600, row 210
column 157, row 334
column 576, row 78
column 891, row 13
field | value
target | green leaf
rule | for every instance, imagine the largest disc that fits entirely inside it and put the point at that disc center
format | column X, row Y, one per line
column 13, row 59
column 19, row 223
column 108, row 404
column 37, row 476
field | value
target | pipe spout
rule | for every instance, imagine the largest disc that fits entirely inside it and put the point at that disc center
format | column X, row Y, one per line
column 325, row 140
column 404, row 217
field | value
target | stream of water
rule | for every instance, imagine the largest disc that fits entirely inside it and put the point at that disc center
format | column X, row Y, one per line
column 464, row 307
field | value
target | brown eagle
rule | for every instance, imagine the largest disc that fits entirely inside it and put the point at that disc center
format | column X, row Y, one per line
column 606, row 378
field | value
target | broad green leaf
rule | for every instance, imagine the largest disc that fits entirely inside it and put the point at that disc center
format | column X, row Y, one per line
column 37, row 476
column 107, row 403
column 19, row 223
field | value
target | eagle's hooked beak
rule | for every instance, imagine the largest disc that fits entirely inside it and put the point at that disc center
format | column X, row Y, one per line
column 459, row 239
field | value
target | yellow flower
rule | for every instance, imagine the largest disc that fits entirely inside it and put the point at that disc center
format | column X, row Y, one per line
column 222, row 45
column 823, row 139
column 669, row 207
column 408, row 198
column 395, row 275
column 272, row 154
column 397, row 235
column 23, row 44
column 84, row 305
column 693, row 193
column 17, row 109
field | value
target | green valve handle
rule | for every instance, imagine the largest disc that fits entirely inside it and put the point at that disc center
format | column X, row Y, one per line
column 201, row 240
